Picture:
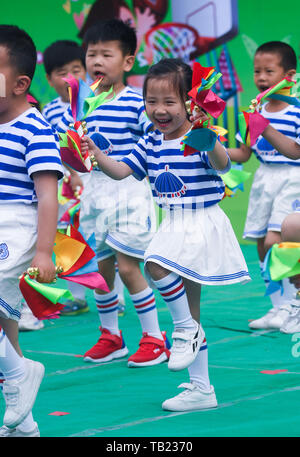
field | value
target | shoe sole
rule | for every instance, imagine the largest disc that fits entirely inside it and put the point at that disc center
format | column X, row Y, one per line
column 34, row 389
column 162, row 358
column 115, row 355
column 203, row 407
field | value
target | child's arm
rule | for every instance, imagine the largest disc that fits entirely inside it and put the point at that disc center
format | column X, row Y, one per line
column 112, row 168
column 281, row 143
column 45, row 184
column 218, row 157
column 241, row 154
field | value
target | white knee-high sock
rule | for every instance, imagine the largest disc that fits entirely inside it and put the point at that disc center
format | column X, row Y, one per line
column 12, row 365
column 145, row 306
column 119, row 286
column 289, row 290
column 172, row 290
column 198, row 370
column 107, row 305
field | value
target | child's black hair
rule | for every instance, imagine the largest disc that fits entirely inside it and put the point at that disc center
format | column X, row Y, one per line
column 112, row 30
column 20, row 48
column 178, row 72
column 62, row 52
column 285, row 51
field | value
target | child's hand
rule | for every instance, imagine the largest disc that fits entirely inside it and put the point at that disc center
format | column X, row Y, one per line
column 198, row 114
column 75, row 182
column 46, row 267
column 88, row 145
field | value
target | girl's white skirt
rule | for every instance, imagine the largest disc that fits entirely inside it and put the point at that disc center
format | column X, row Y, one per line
column 199, row 245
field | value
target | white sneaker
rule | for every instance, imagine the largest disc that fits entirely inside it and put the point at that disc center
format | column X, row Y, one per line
column 292, row 322
column 20, row 394
column 263, row 322
column 6, row 432
column 28, row 321
column 280, row 316
column 186, row 345
column 191, row 399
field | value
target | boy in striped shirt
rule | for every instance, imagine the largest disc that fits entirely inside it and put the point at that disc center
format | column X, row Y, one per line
column 121, row 214
column 61, row 58
column 30, row 167
column 275, row 189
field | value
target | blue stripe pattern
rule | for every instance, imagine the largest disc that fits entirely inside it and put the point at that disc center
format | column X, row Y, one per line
column 122, row 121
column 9, row 309
column 28, row 144
column 153, row 157
column 123, row 247
column 195, row 275
column 54, row 111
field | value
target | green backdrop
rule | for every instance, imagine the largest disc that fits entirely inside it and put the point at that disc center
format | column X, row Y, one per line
column 258, row 21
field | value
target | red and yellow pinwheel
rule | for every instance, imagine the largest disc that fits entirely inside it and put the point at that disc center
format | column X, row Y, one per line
column 76, row 262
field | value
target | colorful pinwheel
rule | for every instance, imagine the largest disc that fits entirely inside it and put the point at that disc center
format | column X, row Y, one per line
column 71, row 215
column 202, row 137
column 201, row 94
column 281, row 261
column 234, row 180
column 251, row 122
column 83, row 101
column 76, row 262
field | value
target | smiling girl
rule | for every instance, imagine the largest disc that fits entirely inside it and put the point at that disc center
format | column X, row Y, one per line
column 195, row 243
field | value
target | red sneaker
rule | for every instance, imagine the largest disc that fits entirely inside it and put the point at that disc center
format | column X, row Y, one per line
column 152, row 351
column 109, row 347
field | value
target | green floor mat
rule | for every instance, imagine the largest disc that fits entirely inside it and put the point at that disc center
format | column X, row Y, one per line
column 255, row 374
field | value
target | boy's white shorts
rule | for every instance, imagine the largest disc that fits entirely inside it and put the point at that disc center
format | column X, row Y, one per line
column 18, row 235
column 274, row 194
column 198, row 245
column 120, row 213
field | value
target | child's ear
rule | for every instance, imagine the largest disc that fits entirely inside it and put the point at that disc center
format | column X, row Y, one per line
column 291, row 73
column 128, row 63
column 22, row 84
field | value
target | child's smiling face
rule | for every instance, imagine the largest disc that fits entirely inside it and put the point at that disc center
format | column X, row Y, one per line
column 165, row 108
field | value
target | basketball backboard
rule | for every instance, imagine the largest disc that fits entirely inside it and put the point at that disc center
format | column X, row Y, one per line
column 216, row 21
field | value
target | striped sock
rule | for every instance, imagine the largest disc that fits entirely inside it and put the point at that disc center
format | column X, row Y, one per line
column 107, row 305
column 145, row 306
column 2, row 379
column 172, row 290
column 198, row 370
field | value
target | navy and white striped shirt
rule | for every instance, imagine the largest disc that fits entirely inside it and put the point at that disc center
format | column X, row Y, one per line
column 122, row 121
column 176, row 181
column 28, row 144
column 54, row 111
